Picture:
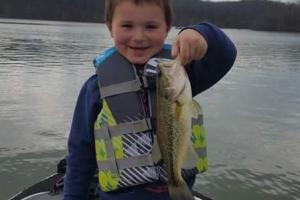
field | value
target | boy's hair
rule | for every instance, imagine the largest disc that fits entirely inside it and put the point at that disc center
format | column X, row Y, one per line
column 110, row 6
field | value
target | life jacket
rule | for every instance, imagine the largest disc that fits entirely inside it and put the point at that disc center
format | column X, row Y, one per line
column 126, row 147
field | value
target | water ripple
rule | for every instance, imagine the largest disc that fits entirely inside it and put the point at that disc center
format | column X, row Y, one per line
column 225, row 183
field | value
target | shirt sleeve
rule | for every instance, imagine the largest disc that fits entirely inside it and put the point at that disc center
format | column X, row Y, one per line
column 218, row 60
column 81, row 160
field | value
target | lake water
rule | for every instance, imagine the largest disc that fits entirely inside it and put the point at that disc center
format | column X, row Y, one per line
column 252, row 115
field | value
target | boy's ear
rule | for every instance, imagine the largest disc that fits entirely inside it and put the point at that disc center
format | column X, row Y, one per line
column 168, row 29
column 109, row 27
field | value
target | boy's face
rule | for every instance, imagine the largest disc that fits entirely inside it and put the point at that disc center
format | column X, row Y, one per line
column 138, row 31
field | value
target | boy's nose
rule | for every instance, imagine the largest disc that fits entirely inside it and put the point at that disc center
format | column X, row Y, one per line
column 139, row 35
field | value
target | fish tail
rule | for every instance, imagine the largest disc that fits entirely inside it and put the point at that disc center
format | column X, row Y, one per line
column 181, row 192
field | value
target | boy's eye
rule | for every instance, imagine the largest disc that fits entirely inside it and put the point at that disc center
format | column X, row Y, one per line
column 151, row 26
column 126, row 25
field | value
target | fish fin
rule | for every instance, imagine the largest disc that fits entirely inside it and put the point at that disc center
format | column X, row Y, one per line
column 177, row 60
column 191, row 158
column 196, row 109
column 181, row 192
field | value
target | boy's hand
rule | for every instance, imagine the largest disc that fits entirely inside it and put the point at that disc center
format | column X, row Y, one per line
column 190, row 45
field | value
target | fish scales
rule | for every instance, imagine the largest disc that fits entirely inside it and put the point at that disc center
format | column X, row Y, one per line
column 174, row 115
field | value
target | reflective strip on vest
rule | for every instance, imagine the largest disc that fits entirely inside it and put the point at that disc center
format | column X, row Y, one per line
column 123, row 128
column 119, row 88
column 138, row 161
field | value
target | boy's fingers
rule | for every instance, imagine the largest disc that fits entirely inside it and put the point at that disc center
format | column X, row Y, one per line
column 184, row 52
column 197, row 54
column 175, row 49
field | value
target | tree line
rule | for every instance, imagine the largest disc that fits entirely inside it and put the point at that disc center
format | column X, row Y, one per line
column 63, row 10
column 250, row 14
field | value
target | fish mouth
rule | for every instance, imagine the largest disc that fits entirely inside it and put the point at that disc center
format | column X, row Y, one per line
column 166, row 63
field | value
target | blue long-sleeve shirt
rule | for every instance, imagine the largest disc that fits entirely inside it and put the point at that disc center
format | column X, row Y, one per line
column 81, row 159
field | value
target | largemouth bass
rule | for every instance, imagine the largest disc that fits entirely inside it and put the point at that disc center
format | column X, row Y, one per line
column 175, row 109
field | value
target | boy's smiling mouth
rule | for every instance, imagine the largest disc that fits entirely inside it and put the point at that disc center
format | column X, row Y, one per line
column 138, row 51
column 138, row 48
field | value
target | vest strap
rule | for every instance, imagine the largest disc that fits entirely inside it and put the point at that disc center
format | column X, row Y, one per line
column 120, row 88
column 124, row 128
column 156, row 153
column 199, row 120
column 131, row 127
column 104, row 134
column 124, row 163
column 201, row 152
column 150, row 74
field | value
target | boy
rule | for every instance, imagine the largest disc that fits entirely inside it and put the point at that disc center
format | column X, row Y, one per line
column 139, row 29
